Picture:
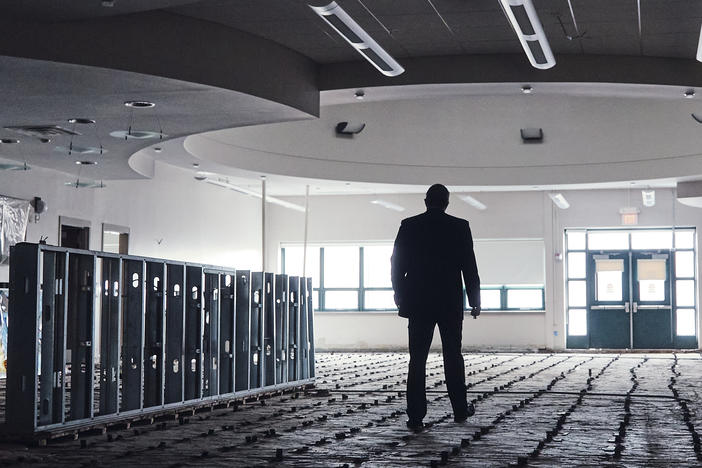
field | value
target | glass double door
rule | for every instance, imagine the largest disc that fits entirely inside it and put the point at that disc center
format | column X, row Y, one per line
column 629, row 299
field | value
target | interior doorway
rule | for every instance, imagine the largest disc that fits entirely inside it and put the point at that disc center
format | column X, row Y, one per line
column 115, row 238
column 631, row 289
column 74, row 233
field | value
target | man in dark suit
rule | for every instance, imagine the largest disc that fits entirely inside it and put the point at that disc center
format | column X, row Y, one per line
column 431, row 252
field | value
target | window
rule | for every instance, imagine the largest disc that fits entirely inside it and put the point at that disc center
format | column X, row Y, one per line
column 357, row 278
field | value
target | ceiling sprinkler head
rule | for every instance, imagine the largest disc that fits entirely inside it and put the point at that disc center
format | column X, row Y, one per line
column 196, row 165
column 360, row 94
column 527, row 89
column 158, row 149
column 690, row 93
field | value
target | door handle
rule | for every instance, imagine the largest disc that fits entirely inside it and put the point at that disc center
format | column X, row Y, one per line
column 626, row 307
column 654, row 307
column 635, row 306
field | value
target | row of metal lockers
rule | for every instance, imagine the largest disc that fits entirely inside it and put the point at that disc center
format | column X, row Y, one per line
column 94, row 335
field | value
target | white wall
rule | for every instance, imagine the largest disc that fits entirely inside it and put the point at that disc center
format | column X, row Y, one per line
column 509, row 215
column 171, row 216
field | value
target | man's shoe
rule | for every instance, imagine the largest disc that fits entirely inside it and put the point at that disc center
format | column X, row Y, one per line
column 415, row 426
column 470, row 411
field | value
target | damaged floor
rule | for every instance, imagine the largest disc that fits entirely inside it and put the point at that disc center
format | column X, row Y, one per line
column 629, row 410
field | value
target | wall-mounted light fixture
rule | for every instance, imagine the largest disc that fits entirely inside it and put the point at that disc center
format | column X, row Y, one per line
column 473, row 202
column 559, row 200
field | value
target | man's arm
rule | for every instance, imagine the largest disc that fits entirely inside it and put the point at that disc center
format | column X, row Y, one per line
column 399, row 263
column 470, row 270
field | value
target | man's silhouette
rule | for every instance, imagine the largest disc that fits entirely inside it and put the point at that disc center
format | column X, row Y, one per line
column 431, row 252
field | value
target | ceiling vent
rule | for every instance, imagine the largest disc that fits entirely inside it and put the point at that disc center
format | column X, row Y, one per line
column 354, row 34
column 532, row 135
column 522, row 15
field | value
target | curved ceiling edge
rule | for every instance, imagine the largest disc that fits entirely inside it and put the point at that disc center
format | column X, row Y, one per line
column 172, row 46
column 515, row 68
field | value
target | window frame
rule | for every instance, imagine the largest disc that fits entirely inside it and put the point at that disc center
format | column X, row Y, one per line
column 362, row 289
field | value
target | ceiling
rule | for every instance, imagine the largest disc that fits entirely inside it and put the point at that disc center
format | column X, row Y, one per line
column 415, row 28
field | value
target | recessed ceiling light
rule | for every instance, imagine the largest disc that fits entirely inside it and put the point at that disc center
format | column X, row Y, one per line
column 527, row 89
column 139, row 104
column 137, row 134
column 360, row 94
column 81, row 120
column 9, row 141
column 80, row 149
column 86, row 163
column 158, row 149
column 690, row 93
column 196, row 164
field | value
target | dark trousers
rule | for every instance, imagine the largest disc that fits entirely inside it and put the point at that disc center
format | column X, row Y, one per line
column 421, row 331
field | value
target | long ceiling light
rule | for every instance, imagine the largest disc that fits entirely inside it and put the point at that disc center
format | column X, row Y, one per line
column 473, row 202
column 245, row 191
column 559, row 200
column 525, row 21
column 388, row 205
column 354, row 34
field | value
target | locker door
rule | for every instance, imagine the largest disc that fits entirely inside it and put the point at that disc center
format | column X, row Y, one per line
column 256, row 339
column 304, row 343
column 174, row 334
column 210, row 340
column 310, row 324
column 109, row 335
column 226, row 342
column 269, row 325
column 242, row 348
column 193, row 333
column 293, row 327
column 153, row 334
column 132, row 333
column 281, row 328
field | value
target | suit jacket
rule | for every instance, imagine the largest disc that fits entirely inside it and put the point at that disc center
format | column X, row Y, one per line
column 432, row 250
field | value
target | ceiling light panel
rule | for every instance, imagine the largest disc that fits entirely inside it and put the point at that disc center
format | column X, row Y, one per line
column 388, row 205
column 559, row 200
column 522, row 15
column 473, row 202
column 354, row 34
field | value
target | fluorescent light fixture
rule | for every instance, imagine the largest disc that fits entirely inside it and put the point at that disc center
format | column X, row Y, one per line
column 522, row 15
column 559, row 200
column 473, row 202
column 245, row 191
column 649, row 198
column 388, row 205
column 354, row 34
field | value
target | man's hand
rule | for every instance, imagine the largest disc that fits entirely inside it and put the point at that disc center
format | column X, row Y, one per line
column 475, row 311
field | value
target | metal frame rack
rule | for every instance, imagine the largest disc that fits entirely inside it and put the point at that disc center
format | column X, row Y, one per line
column 98, row 338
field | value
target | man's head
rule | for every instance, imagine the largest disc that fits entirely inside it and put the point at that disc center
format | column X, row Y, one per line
column 437, row 197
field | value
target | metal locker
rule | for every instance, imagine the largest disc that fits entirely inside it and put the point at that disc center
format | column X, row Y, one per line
column 293, row 327
column 269, row 364
column 281, row 328
column 51, row 381
column 193, row 333
column 110, row 291
column 242, row 348
column 153, row 334
column 79, row 337
column 304, row 351
column 173, row 391
column 210, row 338
column 256, row 335
column 132, row 333
column 227, row 303
column 310, row 324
